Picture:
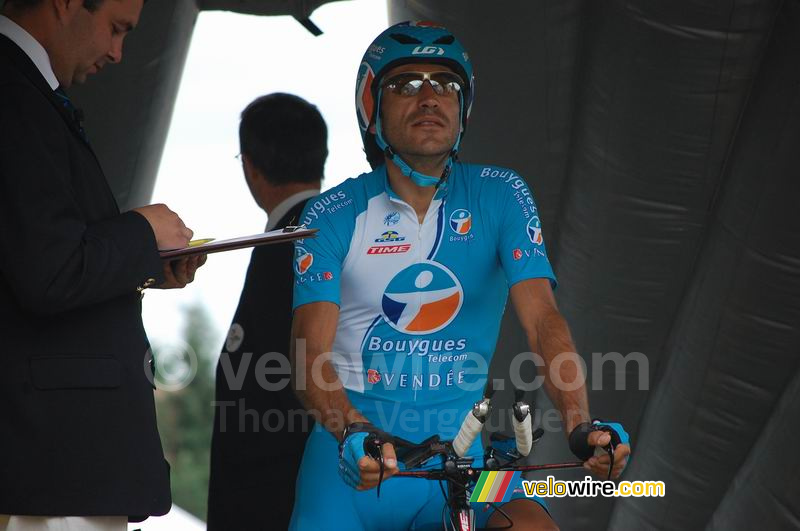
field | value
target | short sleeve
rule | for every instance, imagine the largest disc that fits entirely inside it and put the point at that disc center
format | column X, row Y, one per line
column 520, row 241
column 318, row 261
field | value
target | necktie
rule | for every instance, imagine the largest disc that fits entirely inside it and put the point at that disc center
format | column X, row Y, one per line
column 75, row 113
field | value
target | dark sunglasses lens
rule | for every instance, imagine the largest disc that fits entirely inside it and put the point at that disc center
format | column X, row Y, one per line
column 450, row 82
column 410, row 87
column 405, row 84
column 410, row 84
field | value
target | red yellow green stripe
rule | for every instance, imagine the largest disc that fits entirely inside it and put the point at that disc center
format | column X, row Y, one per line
column 487, row 487
column 478, row 487
column 504, row 489
column 491, row 491
column 494, row 487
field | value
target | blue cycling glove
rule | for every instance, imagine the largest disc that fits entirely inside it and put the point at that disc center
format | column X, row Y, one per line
column 358, row 440
column 617, row 427
column 351, row 450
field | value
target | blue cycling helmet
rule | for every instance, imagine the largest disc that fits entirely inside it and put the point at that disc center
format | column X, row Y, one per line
column 403, row 43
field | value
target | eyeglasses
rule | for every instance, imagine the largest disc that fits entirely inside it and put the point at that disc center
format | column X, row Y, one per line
column 410, row 83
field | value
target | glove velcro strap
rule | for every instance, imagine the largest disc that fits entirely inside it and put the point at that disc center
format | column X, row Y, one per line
column 579, row 438
column 579, row 441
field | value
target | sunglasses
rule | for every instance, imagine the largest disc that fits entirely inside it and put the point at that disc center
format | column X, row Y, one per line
column 410, row 83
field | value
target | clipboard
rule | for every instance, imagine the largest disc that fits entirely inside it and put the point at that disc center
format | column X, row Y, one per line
column 286, row 234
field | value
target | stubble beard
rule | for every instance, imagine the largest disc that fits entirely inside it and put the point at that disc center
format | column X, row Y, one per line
column 427, row 152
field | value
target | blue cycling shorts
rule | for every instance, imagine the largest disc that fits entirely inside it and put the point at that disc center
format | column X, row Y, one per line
column 324, row 502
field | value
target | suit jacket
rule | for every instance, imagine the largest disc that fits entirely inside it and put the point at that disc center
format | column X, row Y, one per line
column 254, row 463
column 77, row 426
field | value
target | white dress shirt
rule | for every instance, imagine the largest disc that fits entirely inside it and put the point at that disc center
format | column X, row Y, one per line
column 286, row 205
column 31, row 47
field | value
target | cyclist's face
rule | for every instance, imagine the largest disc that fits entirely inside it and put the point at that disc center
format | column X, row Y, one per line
column 425, row 124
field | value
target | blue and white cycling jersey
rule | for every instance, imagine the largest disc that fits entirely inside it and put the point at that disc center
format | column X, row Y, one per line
column 420, row 304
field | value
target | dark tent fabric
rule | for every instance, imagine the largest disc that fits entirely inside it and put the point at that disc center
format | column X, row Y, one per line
column 734, row 347
column 765, row 492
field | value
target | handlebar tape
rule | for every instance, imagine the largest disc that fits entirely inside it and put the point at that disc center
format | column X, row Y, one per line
column 469, row 431
column 524, row 434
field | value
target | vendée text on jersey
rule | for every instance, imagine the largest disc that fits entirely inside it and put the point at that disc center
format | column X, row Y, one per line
column 435, row 363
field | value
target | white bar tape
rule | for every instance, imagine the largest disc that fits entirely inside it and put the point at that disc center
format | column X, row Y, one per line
column 524, row 434
column 470, row 429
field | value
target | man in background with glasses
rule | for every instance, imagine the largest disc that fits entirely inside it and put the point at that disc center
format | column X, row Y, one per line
column 259, row 424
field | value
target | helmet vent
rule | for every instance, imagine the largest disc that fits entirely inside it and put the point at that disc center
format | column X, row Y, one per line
column 447, row 39
column 405, row 39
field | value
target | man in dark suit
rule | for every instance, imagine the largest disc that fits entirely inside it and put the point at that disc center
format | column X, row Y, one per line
column 260, row 428
column 79, row 448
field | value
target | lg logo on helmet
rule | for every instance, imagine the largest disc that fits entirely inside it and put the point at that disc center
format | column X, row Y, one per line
column 428, row 50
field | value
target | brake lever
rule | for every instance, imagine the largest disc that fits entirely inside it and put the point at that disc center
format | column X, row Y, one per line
column 412, row 455
column 609, row 449
column 373, row 447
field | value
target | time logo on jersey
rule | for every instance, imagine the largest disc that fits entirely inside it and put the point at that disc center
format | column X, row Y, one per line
column 302, row 260
column 422, row 298
column 535, row 230
column 461, row 221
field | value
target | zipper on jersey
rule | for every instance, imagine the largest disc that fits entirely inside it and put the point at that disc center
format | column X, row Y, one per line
column 437, row 211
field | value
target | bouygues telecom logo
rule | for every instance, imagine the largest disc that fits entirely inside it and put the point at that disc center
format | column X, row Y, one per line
column 422, row 298
column 461, row 221
column 535, row 231
column 302, row 260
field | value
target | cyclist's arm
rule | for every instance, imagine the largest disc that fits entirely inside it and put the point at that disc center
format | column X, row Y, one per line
column 319, row 388
column 549, row 336
column 315, row 382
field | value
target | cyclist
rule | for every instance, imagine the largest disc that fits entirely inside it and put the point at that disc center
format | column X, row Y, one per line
column 406, row 285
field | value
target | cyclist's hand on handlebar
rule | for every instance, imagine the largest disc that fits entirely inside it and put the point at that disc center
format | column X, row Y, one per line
column 364, row 459
column 596, row 442
column 598, row 465
column 350, row 451
column 369, row 468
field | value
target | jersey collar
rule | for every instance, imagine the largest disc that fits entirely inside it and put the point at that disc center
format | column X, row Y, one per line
column 441, row 192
